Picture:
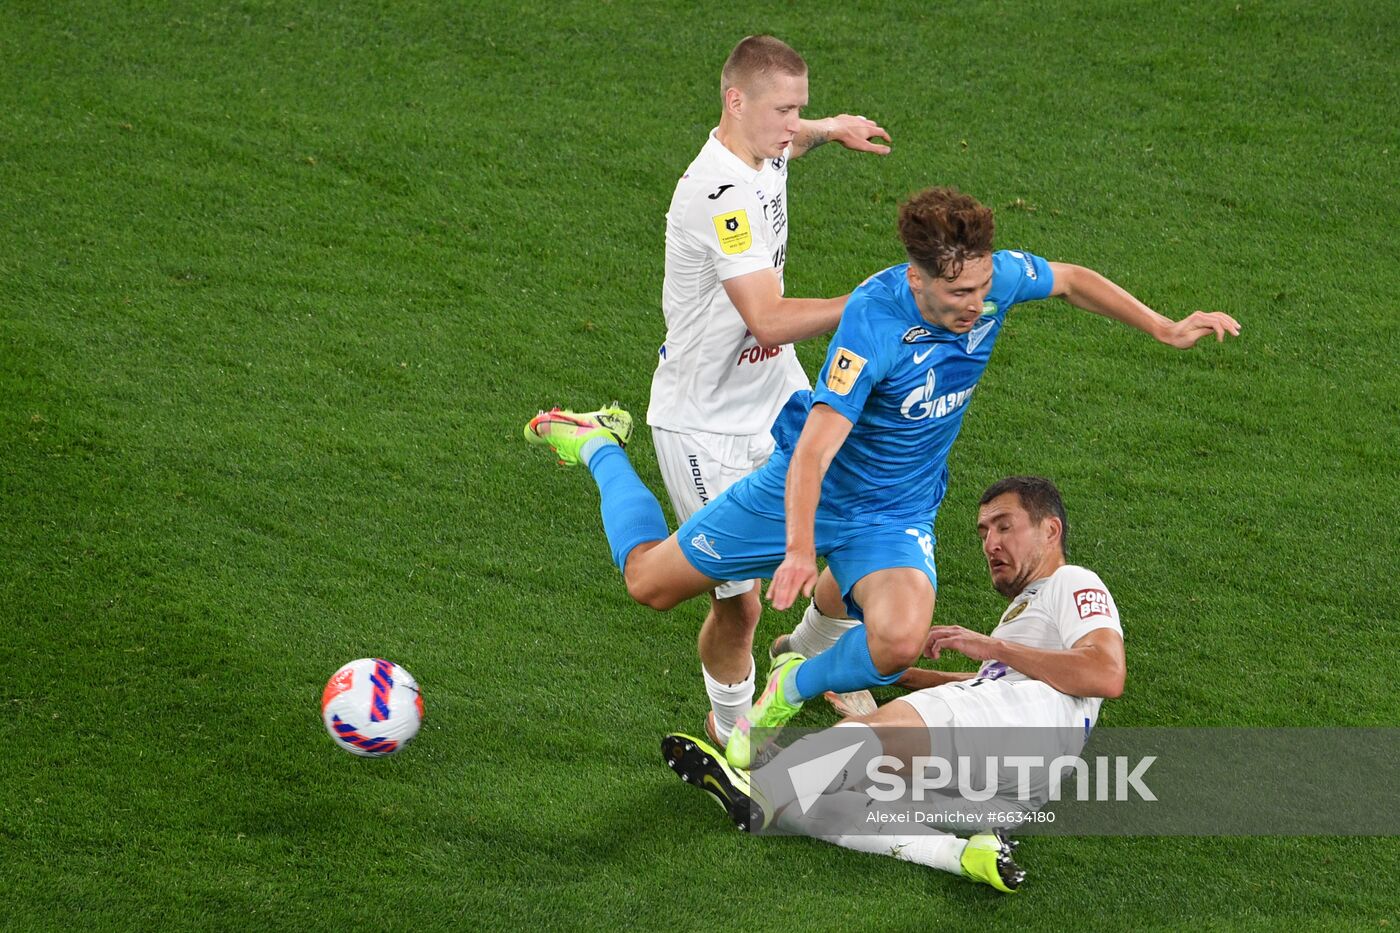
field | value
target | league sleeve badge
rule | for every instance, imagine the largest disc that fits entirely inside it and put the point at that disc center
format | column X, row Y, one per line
column 845, row 369
column 733, row 231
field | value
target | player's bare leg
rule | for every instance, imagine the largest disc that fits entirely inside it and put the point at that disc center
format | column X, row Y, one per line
column 726, row 657
column 658, row 575
column 827, row 596
column 898, row 606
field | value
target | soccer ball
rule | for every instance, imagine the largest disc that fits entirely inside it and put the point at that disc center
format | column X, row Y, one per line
column 372, row 707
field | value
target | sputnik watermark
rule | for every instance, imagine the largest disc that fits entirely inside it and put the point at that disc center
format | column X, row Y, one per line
column 933, row 773
column 1131, row 781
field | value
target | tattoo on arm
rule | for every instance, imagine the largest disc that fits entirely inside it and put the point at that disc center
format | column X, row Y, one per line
column 808, row 140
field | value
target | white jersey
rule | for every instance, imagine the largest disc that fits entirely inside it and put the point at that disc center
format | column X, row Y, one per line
column 726, row 219
column 1053, row 614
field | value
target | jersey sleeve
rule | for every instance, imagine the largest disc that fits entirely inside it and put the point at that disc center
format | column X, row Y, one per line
column 1083, row 605
column 732, row 230
column 854, row 362
column 1018, row 276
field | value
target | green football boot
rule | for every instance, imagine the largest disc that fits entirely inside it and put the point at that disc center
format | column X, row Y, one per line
column 700, row 764
column 851, row 703
column 567, row 431
column 770, row 713
column 987, row 859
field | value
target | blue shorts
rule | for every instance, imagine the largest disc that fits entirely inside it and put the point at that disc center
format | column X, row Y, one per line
column 730, row 540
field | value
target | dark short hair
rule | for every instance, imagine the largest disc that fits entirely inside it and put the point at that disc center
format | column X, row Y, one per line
column 1038, row 496
column 942, row 228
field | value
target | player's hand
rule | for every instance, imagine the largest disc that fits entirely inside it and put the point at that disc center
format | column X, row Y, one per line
column 1184, row 333
column 974, row 645
column 796, row 574
column 856, row 133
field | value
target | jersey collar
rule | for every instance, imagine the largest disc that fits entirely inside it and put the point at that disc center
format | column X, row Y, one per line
column 1031, row 588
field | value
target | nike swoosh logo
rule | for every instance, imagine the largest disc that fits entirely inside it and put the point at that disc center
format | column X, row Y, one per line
column 722, row 190
column 719, row 788
column 920, row 357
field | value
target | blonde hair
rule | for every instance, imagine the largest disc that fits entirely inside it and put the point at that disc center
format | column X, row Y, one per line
column 759, row 57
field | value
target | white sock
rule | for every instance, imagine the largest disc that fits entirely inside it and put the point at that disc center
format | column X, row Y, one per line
column 729, row 701
column 817, row 632
column 935, row 850
column 848, row 808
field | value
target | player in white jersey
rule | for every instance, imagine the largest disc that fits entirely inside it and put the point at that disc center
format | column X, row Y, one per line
column 1053, row 658
column 727, row 365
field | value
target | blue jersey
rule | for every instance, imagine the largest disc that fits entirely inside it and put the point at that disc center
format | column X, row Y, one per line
column 905, row 385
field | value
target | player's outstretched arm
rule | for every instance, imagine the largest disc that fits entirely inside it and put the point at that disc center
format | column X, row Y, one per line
column 822, row 436
column 774, row 320
column 852, row 132
column 1087, row 289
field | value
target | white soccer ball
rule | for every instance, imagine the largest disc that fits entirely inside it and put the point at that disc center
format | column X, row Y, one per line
column 372, row 707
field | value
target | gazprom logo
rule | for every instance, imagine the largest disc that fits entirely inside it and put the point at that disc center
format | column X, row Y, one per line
column 924, row 402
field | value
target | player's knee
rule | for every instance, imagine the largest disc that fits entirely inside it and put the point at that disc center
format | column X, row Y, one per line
column 646, row 584
column 739, row 614
column 892, row 652
column 648, row 591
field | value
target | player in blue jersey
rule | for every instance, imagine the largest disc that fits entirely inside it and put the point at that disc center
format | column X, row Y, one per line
column 860, row 466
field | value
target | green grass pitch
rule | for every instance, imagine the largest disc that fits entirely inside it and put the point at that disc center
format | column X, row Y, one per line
column 280, row 282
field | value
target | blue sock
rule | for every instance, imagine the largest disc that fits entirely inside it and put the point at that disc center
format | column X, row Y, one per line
column 631, row 514
column 843, row 667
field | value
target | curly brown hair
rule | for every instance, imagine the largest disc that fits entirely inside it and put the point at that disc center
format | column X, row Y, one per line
column 942, row 228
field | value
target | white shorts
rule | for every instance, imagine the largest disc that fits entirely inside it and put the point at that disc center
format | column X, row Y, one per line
column 999, row 718
column 999, row 704
column 698, row 467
